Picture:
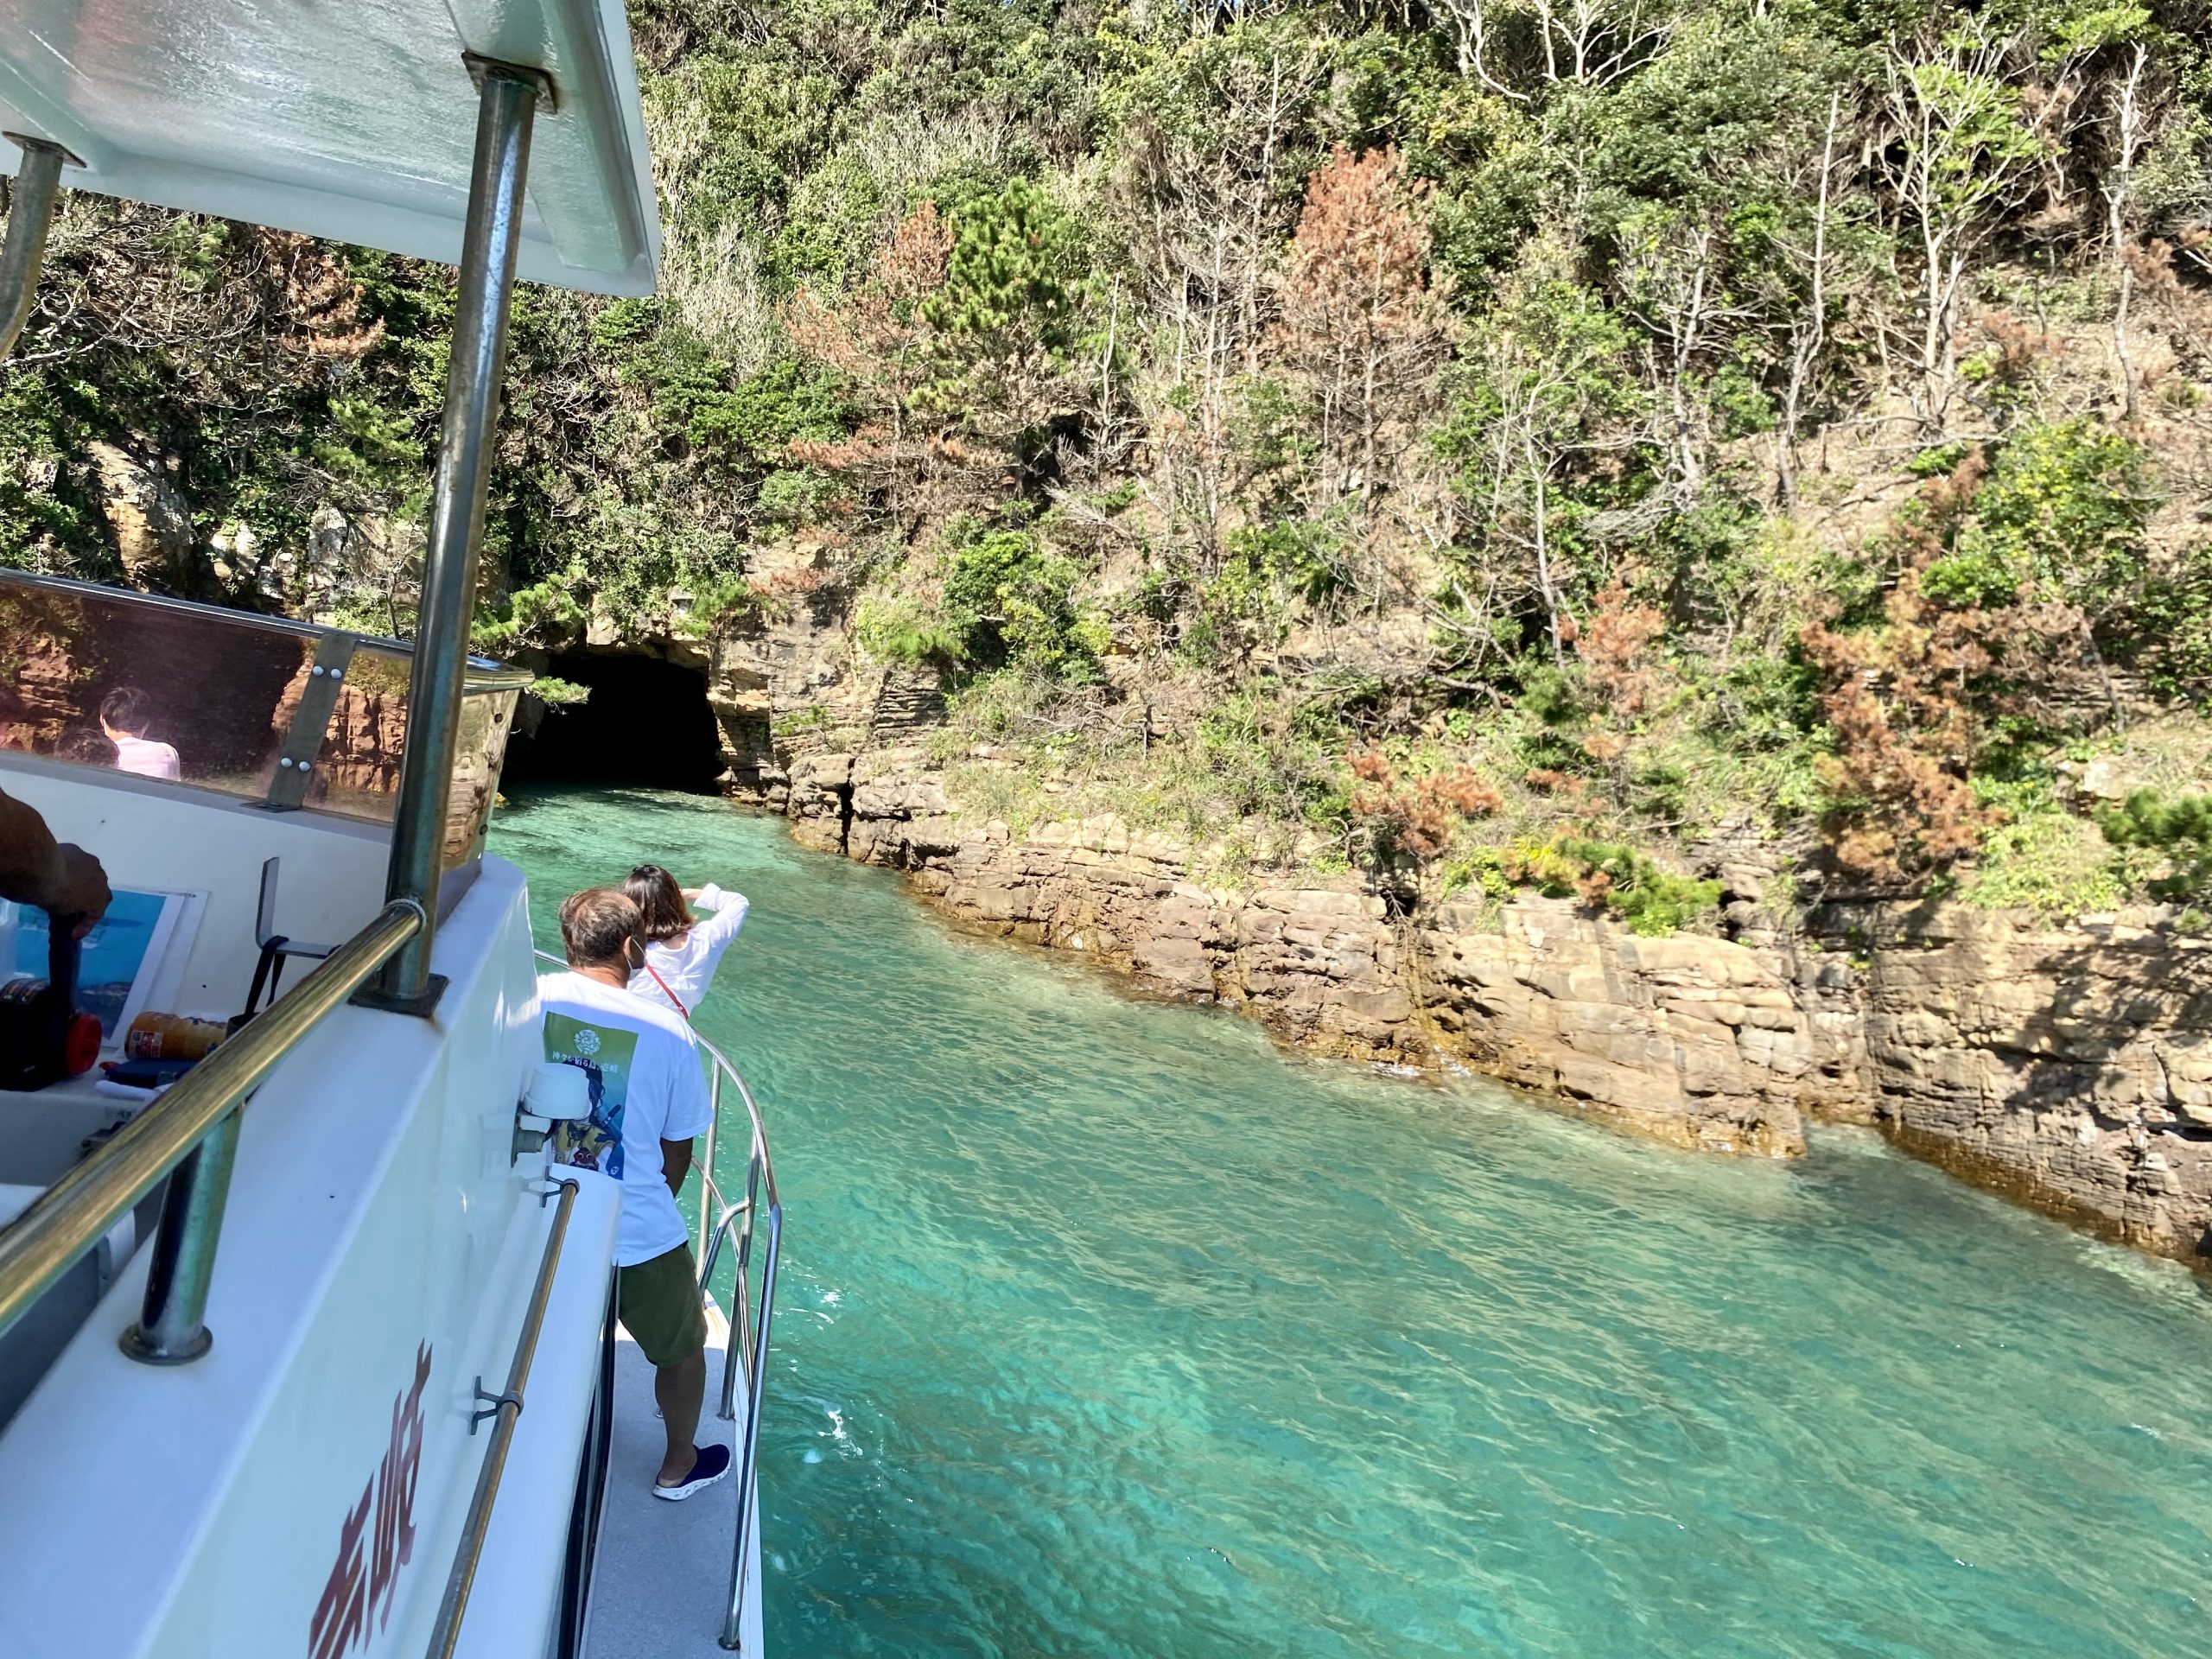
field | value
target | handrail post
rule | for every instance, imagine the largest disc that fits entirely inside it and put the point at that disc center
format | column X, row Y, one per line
column 31, row 211
column 506, row 104
column 172, row 1328
column 505, row 1407
column 748, row 1471
column 742, row 1327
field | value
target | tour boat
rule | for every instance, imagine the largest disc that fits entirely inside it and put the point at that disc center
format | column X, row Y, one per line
column 308, row 1348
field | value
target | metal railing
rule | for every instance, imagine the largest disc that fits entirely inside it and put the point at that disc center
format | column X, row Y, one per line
column 504, row 1408
column 750, row 1318
column 748, row 1327
column 190, row 1128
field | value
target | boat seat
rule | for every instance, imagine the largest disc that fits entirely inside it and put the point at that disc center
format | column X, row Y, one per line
column 30, row 1347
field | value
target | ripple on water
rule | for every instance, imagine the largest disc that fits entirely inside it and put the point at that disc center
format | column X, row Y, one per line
column 1107, row 1330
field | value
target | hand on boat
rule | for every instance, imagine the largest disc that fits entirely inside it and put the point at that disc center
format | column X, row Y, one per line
column 59, row 878
column 82, row 891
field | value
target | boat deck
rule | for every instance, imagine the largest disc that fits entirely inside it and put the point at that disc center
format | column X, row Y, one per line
column 661, row 1583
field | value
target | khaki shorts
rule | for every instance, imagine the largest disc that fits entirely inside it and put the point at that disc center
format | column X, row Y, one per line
column 660, row 1304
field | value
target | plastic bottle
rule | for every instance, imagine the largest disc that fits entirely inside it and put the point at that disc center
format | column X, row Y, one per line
column 171, row 1037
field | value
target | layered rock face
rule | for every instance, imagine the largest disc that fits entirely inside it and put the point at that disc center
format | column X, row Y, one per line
column 2068, row 1066
column 1322, row 966
column 2071, row 1067
column 1697, row 1041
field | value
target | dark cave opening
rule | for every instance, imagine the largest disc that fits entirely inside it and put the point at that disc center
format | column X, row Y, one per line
column 646, row 725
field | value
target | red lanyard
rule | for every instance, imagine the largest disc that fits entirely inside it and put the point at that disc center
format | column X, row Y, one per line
column 665, row 992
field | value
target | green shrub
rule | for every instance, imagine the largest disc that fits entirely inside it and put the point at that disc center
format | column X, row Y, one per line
column 2179, row 830
column 556, row 693
column 1269, row 760
column 2061, row 518
column 793, row 496
column 1488, row 870
column 1013, row 277
column 1257, row 753
column 543, row 614
column 893, row 628
column 2041, row 856
column 1637, row 892
column 1557, row 710
column 757, row 418
column 1940, row 460
column 1008, row 600
column 718, row 604
column 2171, row 623
column 1290, row 557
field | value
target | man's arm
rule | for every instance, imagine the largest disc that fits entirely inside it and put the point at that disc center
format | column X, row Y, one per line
column 36, row 870
column 676, row 1162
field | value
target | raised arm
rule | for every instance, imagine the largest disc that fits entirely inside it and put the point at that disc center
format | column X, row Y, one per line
column 727, row 914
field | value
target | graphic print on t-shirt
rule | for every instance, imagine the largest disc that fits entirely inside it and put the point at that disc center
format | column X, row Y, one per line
column 605, row 1055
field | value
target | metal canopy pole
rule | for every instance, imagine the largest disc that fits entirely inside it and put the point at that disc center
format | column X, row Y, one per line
column 509, row 99
column 30, row 210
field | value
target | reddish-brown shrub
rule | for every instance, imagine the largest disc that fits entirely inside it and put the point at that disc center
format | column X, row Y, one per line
column 1419, row 816
column 1901, row 699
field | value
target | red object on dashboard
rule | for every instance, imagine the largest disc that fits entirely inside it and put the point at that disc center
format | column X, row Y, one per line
column 80, row 1045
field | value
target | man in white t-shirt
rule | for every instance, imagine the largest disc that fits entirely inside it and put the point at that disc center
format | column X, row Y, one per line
column 649, row 1099
column 125, row 712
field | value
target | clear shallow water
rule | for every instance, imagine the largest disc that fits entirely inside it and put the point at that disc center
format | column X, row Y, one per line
column 1105, row 1331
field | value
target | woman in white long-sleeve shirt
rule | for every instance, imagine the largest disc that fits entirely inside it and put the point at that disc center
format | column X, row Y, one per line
column 681, row 953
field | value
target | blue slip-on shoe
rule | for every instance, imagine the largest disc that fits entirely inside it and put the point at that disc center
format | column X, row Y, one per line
column 714, row 1463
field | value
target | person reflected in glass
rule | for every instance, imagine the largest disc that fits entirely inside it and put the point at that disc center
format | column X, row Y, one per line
column 89, row 748
column 681, row 952
column 125, row 715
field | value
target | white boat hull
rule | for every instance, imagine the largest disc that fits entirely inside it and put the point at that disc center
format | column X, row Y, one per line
column 302, row 1489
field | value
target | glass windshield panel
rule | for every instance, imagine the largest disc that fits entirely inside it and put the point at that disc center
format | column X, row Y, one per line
column 358, row 771
column 162, row 691
column 488, row 714
column 206, row 696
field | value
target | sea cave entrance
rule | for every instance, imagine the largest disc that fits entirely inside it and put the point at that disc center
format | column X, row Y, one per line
column 646, row 725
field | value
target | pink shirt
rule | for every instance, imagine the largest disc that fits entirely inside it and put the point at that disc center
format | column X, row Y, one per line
column 148, row 759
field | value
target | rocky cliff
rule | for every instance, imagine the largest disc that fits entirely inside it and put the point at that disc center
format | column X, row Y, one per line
column 2070, row 1067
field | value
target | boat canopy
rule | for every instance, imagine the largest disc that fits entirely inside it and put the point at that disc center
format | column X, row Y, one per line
column 347, row 122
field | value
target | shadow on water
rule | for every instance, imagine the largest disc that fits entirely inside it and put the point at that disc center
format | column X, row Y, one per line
column 1107, row 1330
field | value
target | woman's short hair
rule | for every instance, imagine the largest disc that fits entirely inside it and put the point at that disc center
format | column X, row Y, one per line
column 596, row 927
column 659, row 902
column 128, row 709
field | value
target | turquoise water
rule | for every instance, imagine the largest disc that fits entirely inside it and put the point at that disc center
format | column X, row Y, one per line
column 1106, row 1331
